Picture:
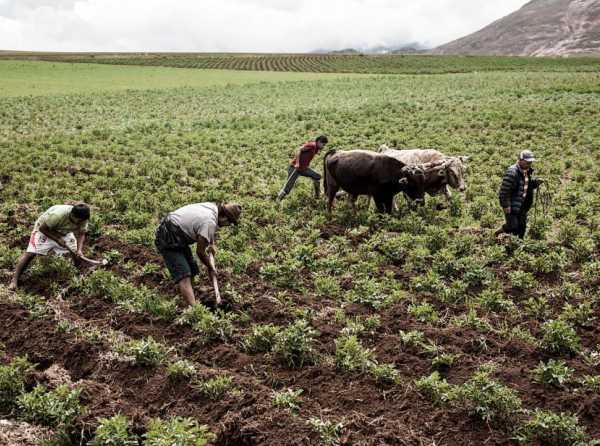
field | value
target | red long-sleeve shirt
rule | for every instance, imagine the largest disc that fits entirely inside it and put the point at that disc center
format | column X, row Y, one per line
column 305, row 155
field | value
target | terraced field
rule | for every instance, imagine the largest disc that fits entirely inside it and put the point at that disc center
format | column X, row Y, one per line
column 420, row 328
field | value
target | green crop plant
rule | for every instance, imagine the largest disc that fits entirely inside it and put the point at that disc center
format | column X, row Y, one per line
column 372, row 293
column 288, row 399
column 592, row 357
column 180, row 370
column 215, row 388
column 489, row 400
column 430, row 282
column 437, row 389
column 211, row 326
column 493, row 299
column 473, row 321
column 176, row 431
column 521, row 280
column 146, row 352
column 581, row 315
column 582, row 249
column 552, row 373
column 327, row 286
column 384, row 374
column 444, row 361
column 61, row 269
column 105, row 285
column 329, row 431
column 8, row 257
column 412, row 338
column 261, row 339
column 294, row 344
column 56, row 408
column 590, row 383
column 552, row 429
column 591, row 274
column 12, row 382
column 35, row 304
column 351, row 356
column 570, row 290
column 537, row 307
column 114, row 431
column 559, row 337
column 423, row 312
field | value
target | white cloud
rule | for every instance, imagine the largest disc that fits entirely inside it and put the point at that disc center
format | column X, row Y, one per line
column 238, row 25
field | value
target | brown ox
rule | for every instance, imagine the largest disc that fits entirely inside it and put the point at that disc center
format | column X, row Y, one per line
column 363, row 172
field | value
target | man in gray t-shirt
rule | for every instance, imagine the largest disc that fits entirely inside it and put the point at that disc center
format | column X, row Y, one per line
column 194, row 223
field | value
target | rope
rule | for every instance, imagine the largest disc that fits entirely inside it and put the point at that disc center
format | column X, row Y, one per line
column 543, row 199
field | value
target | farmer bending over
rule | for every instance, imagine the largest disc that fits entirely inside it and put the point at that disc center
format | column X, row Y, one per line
column 516, row 194
column 61, row 229
column 299, row 166
column 194, row 223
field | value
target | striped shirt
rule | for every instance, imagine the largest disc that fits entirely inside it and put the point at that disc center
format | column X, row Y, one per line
column 525, row 182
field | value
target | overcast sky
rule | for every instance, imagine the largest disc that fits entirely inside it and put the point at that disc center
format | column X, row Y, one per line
column 239, row 25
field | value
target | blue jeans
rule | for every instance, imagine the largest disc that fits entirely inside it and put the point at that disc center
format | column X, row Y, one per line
column 293, row 175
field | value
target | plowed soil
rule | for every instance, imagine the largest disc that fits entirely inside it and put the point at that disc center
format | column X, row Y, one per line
column 372, row 414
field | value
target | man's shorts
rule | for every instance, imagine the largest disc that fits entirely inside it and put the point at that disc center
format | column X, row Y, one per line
column 42, row 245
column 180, row 263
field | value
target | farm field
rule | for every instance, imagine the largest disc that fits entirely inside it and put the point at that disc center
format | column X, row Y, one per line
column 328, row 63
column 420, row 328
column 22, row 78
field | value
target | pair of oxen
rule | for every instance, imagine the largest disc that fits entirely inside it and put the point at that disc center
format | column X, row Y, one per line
column 387, row 172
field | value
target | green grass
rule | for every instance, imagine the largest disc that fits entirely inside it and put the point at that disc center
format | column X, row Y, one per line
column 20, row 78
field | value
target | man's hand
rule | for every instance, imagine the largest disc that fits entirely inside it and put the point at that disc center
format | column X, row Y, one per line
column 507, row 210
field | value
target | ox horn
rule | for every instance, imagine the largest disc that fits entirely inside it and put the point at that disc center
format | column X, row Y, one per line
column 413, row 169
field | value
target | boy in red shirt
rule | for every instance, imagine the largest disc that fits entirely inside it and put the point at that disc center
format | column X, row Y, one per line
column 299, row 166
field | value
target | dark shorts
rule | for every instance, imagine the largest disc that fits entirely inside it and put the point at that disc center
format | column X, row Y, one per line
column 181, row 263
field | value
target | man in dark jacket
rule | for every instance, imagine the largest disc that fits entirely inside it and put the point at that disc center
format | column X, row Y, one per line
column 516, row 194
column 299, row 166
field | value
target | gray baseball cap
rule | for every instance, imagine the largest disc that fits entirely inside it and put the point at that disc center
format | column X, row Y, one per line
column 527, row 155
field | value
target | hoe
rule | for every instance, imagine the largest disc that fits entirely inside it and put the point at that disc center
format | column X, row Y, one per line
column 211, row 259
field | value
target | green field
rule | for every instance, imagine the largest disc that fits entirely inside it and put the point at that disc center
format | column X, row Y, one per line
column 22, row 78
column 416, row 328
column 327, row 63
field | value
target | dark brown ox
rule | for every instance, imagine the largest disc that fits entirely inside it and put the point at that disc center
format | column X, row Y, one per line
column 441, row 172
column 363, row 172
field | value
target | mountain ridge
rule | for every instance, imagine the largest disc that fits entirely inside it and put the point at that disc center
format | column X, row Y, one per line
column 538, row 28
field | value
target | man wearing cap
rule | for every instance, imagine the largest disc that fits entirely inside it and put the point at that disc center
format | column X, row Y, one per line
column 516, row 194
column 60, row 230
column 299, row 166
column 194, row 223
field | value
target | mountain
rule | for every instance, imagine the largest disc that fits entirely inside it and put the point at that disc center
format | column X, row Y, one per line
column 540, row 28
column 409, row 48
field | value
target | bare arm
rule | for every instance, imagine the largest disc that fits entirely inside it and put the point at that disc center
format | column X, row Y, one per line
column 80, row 241
column 203, row 249
column 52, row 235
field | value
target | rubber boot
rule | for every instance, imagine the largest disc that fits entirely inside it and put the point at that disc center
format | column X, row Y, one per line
column 317, row 186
